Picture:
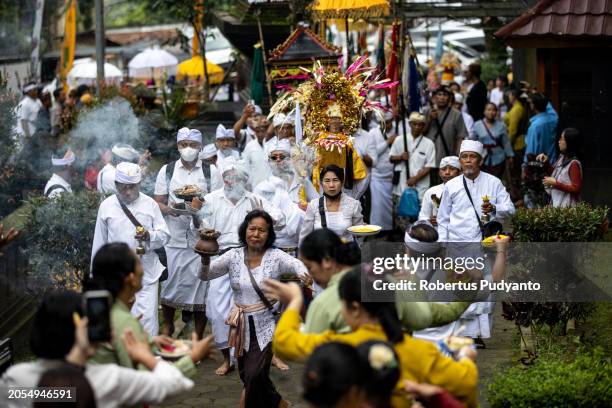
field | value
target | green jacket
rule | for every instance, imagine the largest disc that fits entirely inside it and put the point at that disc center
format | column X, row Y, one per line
column 115, row 351
column 325, row 311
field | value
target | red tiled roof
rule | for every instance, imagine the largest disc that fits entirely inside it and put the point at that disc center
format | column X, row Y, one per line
column 303, row 43
column 575, row 18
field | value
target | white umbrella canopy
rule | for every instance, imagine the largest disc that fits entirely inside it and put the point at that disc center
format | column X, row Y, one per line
column 152, row 61
column 86, row 73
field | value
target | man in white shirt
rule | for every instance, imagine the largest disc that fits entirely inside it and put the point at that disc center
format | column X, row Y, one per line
column 419, row 154
column 208, row 155
column 458, row 221
column 381, row 185
column 254, row 153
column 106, row 177
column 27, row 113
column 365, row 146
column 117, row 218
column 224, row 210
column 250, row 114
column 467, row 119
column 59, row 182
column 183, row 289
column 225, row 140
column 283, row 129
column 449, row 169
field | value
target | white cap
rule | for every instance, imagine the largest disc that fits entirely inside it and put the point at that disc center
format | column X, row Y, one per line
column 125, row 152
column 472, row 146
column 279, row 119
column 128, row 173
column 208, row 151
column 458, row 98
column 66, row 160
column 223, row 133
column 282, row 145
column 239, row 166
column 452, row 161
column 189, row 134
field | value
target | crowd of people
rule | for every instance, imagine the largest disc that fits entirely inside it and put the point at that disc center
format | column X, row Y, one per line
column 461, row 158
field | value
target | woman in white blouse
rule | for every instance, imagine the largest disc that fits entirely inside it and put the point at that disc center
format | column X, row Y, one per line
column 333, row 210
column 252, row 319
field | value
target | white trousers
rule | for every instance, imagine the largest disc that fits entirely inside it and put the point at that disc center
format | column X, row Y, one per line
column 382, row 203
column 146, row 305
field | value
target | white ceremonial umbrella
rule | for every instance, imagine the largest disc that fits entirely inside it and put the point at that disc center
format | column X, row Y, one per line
column 152, row 62
column 86, row 73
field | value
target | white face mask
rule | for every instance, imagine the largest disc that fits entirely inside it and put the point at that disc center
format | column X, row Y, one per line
column 189, row 154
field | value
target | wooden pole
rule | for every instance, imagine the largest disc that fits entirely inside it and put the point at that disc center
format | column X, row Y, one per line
column 100, row 46
column 265, row 60
column 348, row 50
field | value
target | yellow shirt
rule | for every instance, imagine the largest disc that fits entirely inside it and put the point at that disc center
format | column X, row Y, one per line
column 513, row 120
column 420, row 360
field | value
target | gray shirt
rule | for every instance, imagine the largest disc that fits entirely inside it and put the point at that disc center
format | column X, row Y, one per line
column 453, row 131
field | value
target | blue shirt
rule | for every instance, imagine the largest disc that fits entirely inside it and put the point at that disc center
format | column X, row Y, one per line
column 497, row 147
column 542, row 134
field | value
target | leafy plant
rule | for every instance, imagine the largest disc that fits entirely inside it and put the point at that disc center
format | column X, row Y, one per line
column 585, row 381
column 581, row 223
column 59, row 237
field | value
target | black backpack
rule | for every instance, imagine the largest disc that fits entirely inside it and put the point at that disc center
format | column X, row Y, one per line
column 205, row 173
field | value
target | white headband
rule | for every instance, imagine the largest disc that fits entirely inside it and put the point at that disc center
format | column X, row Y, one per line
column 239, row 166
column 128, row 173
column 67, row 160
column 419, row 246
column 472, row 146
column 29, row 87
column 452, row 161
column 258, row 110
column 208, row 151
column 125, row 152
column 279, row 119
column 223, row 133
column 282, row 145
column 189, row 134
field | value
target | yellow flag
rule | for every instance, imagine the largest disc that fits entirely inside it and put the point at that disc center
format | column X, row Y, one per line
column 195, row 45
column 67, row 55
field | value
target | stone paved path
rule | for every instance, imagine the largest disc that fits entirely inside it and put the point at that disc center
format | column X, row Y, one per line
column 212, row 391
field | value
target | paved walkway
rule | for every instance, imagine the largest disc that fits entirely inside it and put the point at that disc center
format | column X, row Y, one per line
column 212, row 391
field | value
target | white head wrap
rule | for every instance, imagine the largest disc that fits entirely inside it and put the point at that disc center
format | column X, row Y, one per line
column 208, row 151
column 290, row 119
column 258, row 110
column 125, row 152
column 416, row 117
column 29, row 87
column 458, row 98
column 472, row 146
column 189, row 134
column 452, row 161
column 239, row 166
column 128, row 173
column 282, row 145
column 419, row 246
column 279, row 119
column 264, row 188
column 67, row 160
column 223, row 133
column 388, row 115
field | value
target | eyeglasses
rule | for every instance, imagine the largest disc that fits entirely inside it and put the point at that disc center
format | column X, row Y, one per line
column 277, row 157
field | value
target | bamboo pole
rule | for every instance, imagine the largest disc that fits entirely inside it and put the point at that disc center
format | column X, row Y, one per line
column 265, row 60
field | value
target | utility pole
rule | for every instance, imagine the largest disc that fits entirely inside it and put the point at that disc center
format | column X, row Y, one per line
column 100, row 41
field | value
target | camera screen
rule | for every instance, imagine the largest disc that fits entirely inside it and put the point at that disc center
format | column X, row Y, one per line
column 98, row 313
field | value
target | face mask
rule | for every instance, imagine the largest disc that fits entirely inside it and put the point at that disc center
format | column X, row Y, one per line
column 332, row 196
column 189, row 154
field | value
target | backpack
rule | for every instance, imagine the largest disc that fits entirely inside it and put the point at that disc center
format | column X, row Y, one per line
column 409, row 203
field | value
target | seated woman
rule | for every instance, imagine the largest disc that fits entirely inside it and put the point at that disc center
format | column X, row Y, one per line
column 117, row 269
column 252, row 319
column 59, row 336
column 420, row 360
column 334, row 209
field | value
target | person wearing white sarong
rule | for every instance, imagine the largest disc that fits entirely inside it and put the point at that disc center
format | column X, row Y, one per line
column 381, row 184
column 183, row 289
column 208, row 155
column 255, row 154
column 449, row 169
column 365, row 146
column 59, row 182
column 224, row 210
column 457, row 221
column 106, row 177
column 113, row 225
column 225, row 141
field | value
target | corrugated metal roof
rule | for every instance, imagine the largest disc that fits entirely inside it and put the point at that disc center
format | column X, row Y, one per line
column 562, row 17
